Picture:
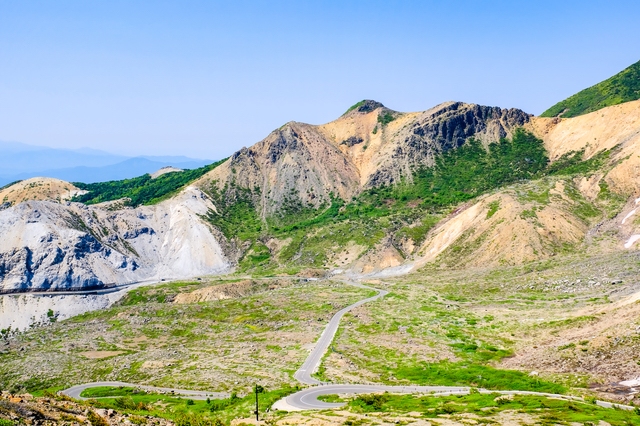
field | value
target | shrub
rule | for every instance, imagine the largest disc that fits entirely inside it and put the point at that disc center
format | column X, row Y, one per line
column 191, row 420
column 373, row 402
column 127, row 403
column 96, row 420
column 138, row 420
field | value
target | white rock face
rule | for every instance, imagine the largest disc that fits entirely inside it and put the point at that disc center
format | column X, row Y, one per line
column 45, row 245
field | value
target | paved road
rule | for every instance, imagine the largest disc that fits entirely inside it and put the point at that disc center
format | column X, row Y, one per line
column 307, row 399
column 75, row 391
column 314, row 359
column 77, row 292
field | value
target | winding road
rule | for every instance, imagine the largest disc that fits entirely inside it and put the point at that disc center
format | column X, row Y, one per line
column 307, row 399
column 314, row 359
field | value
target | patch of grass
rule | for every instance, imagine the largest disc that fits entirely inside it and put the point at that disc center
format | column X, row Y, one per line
column 549, row 411
column 107, row 391
column 494, row 206
column 195, row 412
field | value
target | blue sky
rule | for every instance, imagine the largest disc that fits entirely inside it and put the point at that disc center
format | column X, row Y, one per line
column 204, row 78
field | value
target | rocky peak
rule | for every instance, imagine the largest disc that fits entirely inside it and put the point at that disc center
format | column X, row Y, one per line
column 363, row 107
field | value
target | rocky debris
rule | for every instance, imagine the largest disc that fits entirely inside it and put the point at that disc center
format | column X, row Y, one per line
column 57, row 410
column 351, row 141
column 569, row 286
column 219, row 292
column 40, row 189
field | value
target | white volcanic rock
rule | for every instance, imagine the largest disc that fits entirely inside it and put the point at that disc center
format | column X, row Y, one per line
column 45, row 245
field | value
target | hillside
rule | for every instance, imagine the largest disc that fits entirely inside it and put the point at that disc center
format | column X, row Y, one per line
column 374, row 191
column 47, row 245
column 40, row 189
column 146, row 189
column 388, row 200
column 622, row 87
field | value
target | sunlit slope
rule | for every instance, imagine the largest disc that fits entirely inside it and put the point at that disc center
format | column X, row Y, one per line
column 39, row 189
column 622, row 87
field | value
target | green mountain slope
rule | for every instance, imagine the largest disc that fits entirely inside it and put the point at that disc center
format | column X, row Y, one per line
column 142, row 189
column 622, row 87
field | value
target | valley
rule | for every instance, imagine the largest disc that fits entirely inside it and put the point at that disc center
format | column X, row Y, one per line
column 459, row 265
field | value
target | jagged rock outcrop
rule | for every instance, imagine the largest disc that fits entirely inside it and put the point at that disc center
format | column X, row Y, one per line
column 368, row 146
column 47, row 245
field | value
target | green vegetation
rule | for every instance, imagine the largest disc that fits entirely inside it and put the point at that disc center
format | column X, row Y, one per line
column 188, row 411
column 143, row 189
column 107, row 391
column 385, row 118
column 622, row 87
column 493, row 208
column 573, row 163
column 549, row 411
column 237, row 213
column 461, row 373
column 352, row 107
column 10, row 184
column 466, row 172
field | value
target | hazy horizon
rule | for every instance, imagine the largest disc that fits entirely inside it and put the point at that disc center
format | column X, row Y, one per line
column 203, row 80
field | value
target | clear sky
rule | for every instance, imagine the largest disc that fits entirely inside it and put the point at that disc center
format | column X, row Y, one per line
column 204, row 78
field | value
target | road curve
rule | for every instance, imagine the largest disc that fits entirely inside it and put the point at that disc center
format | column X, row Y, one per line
column 307, row 399
column 75, row 391
column 314, row 359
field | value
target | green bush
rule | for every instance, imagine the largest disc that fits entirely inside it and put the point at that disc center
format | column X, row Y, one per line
column 373, row 402
column 191, row 419
column 385, row 118
column 96, row 420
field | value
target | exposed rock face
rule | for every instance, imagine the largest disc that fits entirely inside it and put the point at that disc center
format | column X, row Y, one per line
column 46, row 245
column 369, row 146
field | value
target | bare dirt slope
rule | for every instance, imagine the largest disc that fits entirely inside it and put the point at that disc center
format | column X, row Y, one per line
column 525, row 222
column 611, row 127
column 38, row 189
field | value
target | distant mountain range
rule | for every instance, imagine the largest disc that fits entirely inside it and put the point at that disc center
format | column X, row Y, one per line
column 20, row 161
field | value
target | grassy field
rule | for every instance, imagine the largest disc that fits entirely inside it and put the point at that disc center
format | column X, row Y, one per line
column 224, row 345
column 486, row 408
column 556, row 325
column 560, row 325
column 141, row 403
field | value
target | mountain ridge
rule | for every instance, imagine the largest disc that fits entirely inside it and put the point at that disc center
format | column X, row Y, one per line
column 620, row 88
column 357, row 194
